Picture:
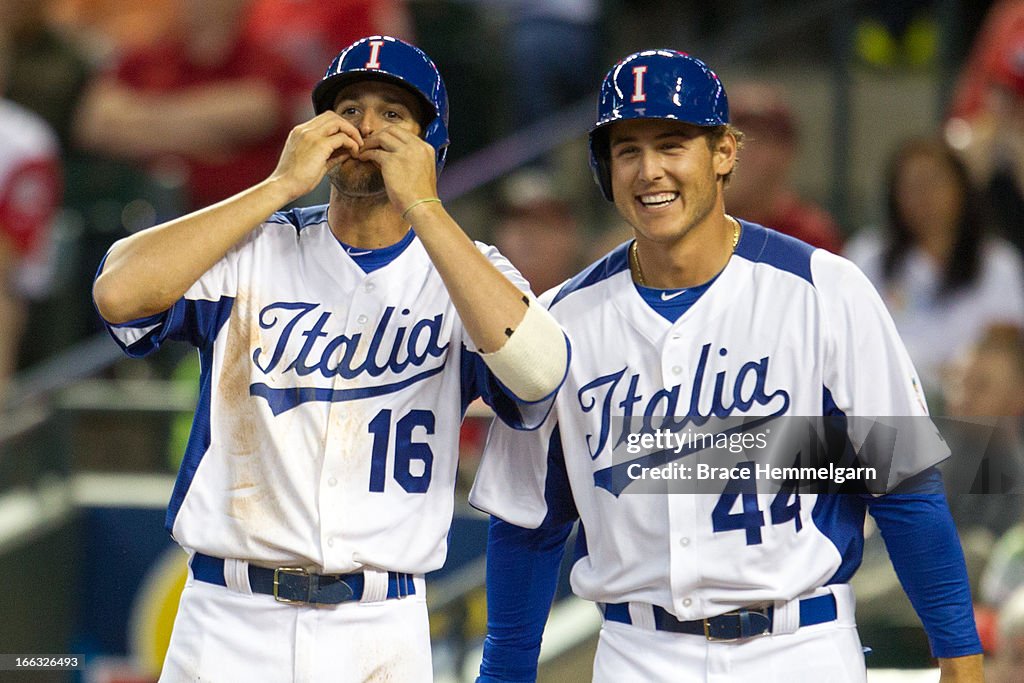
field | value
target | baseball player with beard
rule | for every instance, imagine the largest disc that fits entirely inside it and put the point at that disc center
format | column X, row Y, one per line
column 339, row 346
column 702, row 318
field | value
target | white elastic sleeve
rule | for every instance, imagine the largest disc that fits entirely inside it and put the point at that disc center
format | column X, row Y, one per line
column 534, row 360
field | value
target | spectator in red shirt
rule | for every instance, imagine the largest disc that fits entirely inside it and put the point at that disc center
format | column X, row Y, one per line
column 761, row 189
column 206, row 102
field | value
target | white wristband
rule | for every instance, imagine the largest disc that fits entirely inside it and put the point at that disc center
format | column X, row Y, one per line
column 533, row 361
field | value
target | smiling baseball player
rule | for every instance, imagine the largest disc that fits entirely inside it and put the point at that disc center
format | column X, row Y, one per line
column 340, row 348
column 701, row 318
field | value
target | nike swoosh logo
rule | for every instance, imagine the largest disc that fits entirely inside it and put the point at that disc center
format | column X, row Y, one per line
column 665, row 296
column 359, row 253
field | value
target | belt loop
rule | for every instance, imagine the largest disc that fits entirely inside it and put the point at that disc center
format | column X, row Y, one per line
column 375, row 585
column 786, row 617
column 846, row 602
column 642, row 615
column 236, row 576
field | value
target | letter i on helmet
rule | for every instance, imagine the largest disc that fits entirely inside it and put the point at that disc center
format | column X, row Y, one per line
column 395, row 61
column 654, row 84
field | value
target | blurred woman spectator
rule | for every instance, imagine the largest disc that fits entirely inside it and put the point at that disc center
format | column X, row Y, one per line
column 30, row 191
column 942, row 277
column 761, row 190
column 203, row 103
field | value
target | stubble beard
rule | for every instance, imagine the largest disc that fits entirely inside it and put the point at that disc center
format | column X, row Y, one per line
column 358, row 185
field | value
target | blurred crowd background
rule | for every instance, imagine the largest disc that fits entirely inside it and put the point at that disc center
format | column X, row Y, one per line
column 889, row 132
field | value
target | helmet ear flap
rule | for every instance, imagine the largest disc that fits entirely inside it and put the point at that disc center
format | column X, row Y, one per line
column 600, row 161
column 604, row 177
column 441, row 156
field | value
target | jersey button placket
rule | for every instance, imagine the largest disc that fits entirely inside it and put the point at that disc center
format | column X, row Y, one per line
column 681, row 508
column 685, row 574
column 330, row 493
column 339, row 442
column 674, row 365
column 364, row 311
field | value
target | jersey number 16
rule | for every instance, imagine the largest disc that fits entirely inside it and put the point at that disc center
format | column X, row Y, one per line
column 413, row 460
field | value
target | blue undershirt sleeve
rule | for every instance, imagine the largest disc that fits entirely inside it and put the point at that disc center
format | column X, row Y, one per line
column 522, row 575
column 925, row 551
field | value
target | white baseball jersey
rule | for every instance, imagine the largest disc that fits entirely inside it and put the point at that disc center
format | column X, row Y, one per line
column 784, row 330
column 326, row 434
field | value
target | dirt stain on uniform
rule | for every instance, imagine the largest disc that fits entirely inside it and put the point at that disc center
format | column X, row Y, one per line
column 345, row 444
column 239, row 408
column 382, row 674
column 250, row 500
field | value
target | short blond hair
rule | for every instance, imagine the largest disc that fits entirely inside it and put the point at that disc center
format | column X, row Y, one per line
column 715, row 134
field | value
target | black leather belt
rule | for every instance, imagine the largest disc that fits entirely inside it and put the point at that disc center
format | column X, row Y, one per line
column 296, row 585
column 742, row 623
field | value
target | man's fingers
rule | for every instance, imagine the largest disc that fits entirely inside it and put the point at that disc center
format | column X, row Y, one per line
column 376, row 141
column 390, row 139
column 329, row 123
column 341, row 141
column 374, row 155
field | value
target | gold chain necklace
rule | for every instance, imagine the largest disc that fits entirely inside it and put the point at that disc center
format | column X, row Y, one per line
column 636, row 266
column 635, row 258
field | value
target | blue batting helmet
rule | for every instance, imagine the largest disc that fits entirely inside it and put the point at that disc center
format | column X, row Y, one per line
column 393, row 60
column 654, row 84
